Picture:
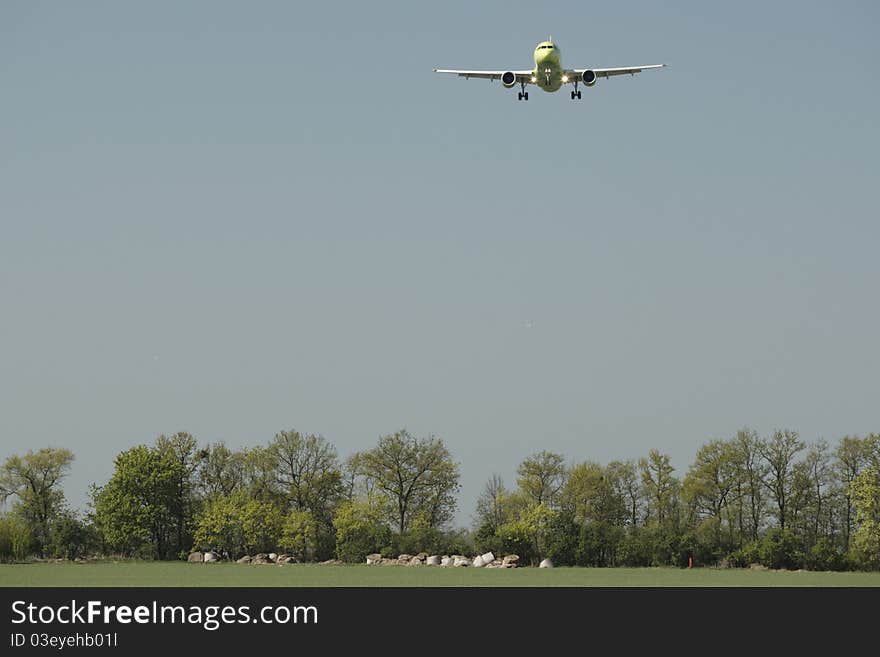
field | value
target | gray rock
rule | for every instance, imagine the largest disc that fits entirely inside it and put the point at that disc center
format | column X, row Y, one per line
column 196, row 557
column 546, row 563
column 461, row 562
column 433, row 560
column 477, row 562
column 488, row 558
column 446, row 561
column 272, row 556
column 510, row 558
column 374, row 559
column 244, row 559
column 211, row 557
column 415, row 561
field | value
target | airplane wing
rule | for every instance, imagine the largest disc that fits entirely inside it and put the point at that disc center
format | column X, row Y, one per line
column 609, row 72
column 521, row 76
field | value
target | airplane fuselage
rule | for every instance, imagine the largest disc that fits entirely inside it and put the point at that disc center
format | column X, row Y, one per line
column 548, row 72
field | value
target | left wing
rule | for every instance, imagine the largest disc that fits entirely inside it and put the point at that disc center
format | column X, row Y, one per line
column 608, row 72
column 521, row 76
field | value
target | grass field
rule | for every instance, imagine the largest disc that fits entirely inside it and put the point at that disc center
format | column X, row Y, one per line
column 145, row 574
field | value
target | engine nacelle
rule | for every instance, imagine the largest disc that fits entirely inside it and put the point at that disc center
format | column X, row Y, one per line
column 589, row 77
column 508, row 79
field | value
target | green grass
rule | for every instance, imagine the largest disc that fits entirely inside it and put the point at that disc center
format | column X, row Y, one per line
column 145, row 574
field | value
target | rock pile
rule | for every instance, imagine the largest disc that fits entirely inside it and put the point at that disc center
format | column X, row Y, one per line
column 487, row 560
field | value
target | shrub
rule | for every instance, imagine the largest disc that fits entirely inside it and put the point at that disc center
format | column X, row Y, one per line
column 780, row 548
column 360, row 530
column 824, row 555
column 16, row 539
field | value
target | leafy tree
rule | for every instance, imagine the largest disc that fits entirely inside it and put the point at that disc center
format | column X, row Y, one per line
column 236, row 524
column 751, row 472
column 624, row 479
column 491, row 503
column 137, row 510
column 527, row 536
column 563, row 534
column 260, row 475
column 865, row 493
column 361, row 528
column 299, row 535
column 261, row 524
column 710, row 483
column 219, row 524
column 417, row 476
column 659, row 485
column 34, row 479
column 779, row 454
column 590, row 495
column 181, row 448
column 220, row 471
column 850, row 457
column 308, row 473
column 541, row 478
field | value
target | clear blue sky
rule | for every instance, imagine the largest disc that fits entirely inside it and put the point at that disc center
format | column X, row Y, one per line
column 236, row 218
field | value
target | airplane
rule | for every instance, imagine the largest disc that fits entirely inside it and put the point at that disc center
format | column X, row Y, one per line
column 549, row 73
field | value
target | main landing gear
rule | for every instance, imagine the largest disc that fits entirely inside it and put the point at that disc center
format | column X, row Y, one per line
column 523, row 95
column 575, row 93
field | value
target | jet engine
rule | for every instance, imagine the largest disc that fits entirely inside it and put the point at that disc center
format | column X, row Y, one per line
column 508, row 79
column 589, row 77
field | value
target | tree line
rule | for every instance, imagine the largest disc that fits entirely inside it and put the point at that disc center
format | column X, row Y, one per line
column 776, row 501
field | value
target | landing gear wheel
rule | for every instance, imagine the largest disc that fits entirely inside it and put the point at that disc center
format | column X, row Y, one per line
column 526, row 95
column 519, row 96
column 579, row 95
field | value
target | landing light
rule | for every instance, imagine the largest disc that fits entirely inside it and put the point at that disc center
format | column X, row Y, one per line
column 534, row 79
column 564, row 78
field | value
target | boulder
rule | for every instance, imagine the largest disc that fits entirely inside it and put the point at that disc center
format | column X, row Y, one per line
column 404, row 558
column 546, row 563
column 272, row 556
column 477, row 562
column 244, row 559
column 374, row 559
column 488, row 558
column 446, row 561
column 415, row 561
column 211, row 557
column 433, row 560
column 510, row 558
column 196, row 557
column 461, row 562
column 260, row 559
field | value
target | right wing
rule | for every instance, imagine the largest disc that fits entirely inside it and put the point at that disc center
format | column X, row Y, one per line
column 521, row 76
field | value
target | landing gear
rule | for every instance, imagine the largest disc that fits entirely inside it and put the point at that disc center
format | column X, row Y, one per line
column 575, row 93
column 523, row 95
